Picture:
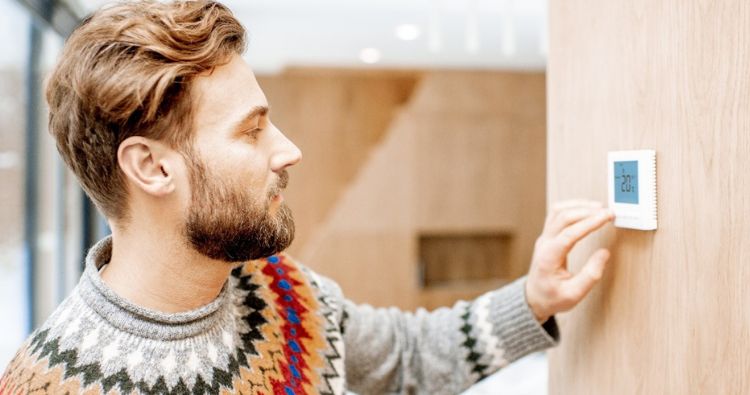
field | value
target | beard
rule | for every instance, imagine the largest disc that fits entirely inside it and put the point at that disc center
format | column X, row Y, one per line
column 232, row 225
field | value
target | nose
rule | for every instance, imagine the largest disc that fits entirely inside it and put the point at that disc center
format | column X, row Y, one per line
column 286, row 153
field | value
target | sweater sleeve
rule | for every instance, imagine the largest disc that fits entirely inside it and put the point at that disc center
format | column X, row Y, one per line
column 445, row 351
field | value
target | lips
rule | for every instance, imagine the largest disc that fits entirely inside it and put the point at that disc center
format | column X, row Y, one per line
column 275, row 192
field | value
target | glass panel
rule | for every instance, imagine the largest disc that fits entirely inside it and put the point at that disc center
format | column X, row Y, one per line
column 14, row 43
column 50, row 274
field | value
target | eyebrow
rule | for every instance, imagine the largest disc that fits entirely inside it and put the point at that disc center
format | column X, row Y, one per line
column 254, row 112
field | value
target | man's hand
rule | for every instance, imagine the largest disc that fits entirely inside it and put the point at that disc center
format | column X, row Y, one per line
column 550, row 287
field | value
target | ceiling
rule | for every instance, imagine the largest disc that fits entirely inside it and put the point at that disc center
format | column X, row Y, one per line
column 454, row 34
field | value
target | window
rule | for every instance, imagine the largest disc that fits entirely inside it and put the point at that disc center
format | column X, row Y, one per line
column 37, row 189
column 14, row 47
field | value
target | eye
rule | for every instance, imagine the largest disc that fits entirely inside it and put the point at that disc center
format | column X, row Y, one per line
column 253, row 132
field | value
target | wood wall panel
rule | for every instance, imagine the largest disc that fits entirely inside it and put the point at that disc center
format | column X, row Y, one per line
column 367, row 243
column 336, row 117
column 465, row 154
column 670, row 316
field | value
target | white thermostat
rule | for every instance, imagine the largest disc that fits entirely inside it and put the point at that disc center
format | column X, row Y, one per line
column 632, row 188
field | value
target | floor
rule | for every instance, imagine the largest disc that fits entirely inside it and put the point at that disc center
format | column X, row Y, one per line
column 527, row 376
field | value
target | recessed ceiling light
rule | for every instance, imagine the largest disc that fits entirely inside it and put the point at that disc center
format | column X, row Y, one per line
column 369, row 55
column 408, row 32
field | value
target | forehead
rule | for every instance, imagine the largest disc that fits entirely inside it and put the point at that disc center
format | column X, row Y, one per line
column 225, row 95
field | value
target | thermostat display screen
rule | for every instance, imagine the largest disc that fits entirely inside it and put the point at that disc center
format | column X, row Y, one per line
column 626, row 182
column 631, row 188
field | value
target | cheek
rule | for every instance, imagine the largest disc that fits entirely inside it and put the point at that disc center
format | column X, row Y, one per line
column 183, row 185
column 238, row 165
column 245, row 175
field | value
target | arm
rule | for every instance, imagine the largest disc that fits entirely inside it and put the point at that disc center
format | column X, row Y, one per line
column 444, row 351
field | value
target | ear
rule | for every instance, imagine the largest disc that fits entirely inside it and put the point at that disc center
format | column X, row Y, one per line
column 147, row 165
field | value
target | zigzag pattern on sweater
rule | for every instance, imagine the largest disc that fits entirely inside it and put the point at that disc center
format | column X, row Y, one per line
column 266, row 356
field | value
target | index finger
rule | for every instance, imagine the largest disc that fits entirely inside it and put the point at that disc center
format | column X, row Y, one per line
column 568, row 217
column 574, row 203
column 574, row 233
column 552, row 225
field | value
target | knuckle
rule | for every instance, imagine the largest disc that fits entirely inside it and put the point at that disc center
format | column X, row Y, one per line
column 552, row 293
column 568, row 297
column 566, row 239
column 544, row 243
column 567, row 216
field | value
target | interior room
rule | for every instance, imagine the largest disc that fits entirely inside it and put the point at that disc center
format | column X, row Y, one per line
column 437, row 137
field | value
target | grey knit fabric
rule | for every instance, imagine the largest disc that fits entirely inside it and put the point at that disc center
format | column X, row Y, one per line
column 276, row 327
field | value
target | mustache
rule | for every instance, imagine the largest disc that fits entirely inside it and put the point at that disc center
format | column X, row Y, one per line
column 281, row 184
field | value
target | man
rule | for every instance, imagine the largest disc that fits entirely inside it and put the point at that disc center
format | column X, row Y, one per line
column 166, row 128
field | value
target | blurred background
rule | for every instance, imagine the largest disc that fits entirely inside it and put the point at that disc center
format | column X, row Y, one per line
column 422, row 125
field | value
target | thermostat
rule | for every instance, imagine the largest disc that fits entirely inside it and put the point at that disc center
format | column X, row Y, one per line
column 632, row 188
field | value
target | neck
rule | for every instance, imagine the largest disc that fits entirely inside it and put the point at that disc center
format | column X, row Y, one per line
column 158, row 270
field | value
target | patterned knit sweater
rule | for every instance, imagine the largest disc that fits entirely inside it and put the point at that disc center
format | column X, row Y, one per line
column 275, row 328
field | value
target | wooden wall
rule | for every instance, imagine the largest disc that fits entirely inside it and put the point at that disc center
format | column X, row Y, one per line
column 461, row 152
column 671, row 315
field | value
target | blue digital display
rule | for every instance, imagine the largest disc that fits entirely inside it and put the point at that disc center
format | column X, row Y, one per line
column 626, row 182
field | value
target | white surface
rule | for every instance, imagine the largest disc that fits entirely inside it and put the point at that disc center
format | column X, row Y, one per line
column 641, row 216
column 527, row 376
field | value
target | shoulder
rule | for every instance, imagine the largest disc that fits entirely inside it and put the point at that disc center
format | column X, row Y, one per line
column 323, row 284
column 282, row 277
column 325, row 287
column 41, row 360
column 285, row 272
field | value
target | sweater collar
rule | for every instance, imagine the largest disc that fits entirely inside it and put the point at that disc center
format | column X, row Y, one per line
column 137, row 320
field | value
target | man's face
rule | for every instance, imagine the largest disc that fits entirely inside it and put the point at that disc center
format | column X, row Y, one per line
column 237, row 170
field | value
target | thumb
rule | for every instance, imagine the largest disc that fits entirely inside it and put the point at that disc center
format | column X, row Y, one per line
column 581, row 283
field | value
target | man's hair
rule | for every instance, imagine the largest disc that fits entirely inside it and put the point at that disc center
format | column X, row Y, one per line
column 127, row 70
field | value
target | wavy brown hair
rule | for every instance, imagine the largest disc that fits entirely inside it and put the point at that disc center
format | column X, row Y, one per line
column 127, row 71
